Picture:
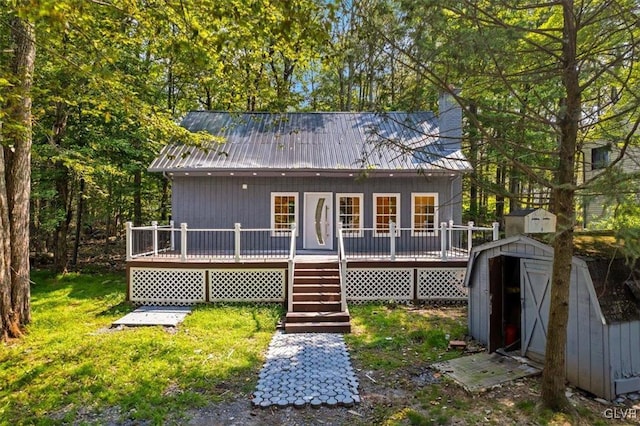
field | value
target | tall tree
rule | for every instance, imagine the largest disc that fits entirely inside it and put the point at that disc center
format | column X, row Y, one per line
column 533, row 74
column 15, row 175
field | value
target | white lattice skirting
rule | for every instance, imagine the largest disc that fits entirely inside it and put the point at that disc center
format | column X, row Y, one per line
column 165, row 286
column 442, row 284
column 160, row 286
column 379, row 284
column 233, row 285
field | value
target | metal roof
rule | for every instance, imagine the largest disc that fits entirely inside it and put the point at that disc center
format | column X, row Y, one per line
column 312, row 141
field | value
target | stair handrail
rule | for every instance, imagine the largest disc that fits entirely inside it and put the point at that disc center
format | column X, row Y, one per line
column 342, row 263
column 292, row 266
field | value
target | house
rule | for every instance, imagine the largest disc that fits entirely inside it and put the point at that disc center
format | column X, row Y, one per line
column 509, row 291
column 599, row 202
column 310, row 208
column 364, row 170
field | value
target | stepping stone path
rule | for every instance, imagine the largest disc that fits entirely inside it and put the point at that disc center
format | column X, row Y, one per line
column 307, row 369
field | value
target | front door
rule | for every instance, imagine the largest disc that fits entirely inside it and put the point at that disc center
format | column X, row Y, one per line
column 535, row 279
column 318, row 220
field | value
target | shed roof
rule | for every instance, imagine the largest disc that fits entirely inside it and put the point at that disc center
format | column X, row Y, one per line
column 314, row 141
column 523, row 212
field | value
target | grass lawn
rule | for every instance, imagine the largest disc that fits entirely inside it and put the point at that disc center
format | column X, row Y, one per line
column 71, row 368
column 388, row 336
column 71, row 365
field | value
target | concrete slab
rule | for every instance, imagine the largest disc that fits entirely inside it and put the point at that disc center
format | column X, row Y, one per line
column 168, row 316
column 480, row 372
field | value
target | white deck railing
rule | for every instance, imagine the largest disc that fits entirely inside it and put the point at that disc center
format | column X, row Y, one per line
column 184, row 243
column 449, row 241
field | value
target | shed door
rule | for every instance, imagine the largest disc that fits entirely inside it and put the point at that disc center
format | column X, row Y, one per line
column 318, row 220
column 535, row 279
column 495, row 303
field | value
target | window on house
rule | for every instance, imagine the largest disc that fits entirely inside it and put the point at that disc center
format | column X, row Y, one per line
column 350, row 214
column 386, row 210
column 600, row 157
column 284, row 212
column 424, row 216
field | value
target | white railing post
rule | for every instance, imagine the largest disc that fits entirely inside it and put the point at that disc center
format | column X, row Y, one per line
column 292, row 247
column 496, row 231
column 154, row 226
column 173, row 242
column 236, row 245
column 469, row 236
column 129, row 238
column 392, row 241
column 292, row 267
column 450, row 229
column 183, row 242
column 443, row 240
column 342, row 261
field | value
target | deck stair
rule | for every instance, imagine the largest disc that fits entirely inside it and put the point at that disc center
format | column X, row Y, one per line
column 317, row 298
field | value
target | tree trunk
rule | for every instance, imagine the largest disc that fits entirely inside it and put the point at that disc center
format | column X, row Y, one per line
column 515, row 190
column 137, row 198
column 37, row 244
column 61, row 232
column 7, row 326
column 79, row 212
column 554, row 374
column 15, row 186
column 164, row 201
column 473, row 160
column 500, row 180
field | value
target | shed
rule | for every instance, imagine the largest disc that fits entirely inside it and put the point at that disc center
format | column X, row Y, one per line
column 529, row 221
column 509, row 291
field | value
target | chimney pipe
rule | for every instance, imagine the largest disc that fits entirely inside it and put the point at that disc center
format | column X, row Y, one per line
column 450, row 121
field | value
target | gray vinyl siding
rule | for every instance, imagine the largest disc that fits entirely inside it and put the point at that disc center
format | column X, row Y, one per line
column 597, row 354
column 594, row 206
column 220, row 202
column 624, row 346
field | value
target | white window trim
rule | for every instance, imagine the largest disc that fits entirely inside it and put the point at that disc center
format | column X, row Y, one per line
column 436, row 214
column 377, row 233
column 272, row 214
column 360, row 196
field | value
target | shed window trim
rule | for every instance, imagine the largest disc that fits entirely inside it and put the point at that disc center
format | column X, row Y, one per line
column 282, row 204
column 383, row 213
column 347, row 218
column 416, row 229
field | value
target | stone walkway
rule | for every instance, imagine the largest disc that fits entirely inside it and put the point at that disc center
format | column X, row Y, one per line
column 307, row 369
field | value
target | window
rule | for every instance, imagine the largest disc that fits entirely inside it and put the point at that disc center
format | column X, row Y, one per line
column 284, row 212
column 350, row 214
column 386, row 210
column 600, row 157
column 424, row 216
